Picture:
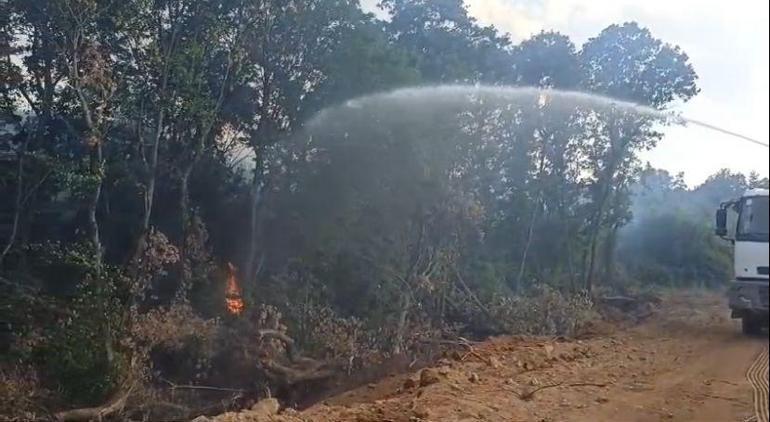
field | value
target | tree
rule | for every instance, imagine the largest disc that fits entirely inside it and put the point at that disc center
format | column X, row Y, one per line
column 362, row 62
column 89, row 74
column 548, row 60
column 182, row 59
column 448, row 44
column 626, row 62
column 287, row 49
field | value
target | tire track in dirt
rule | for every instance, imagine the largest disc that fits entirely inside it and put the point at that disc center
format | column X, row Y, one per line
column 757, row 375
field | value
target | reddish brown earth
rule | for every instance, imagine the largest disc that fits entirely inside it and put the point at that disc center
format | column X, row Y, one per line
column 688, row 362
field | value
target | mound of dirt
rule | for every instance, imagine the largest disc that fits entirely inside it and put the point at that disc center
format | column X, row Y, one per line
column 685, row 362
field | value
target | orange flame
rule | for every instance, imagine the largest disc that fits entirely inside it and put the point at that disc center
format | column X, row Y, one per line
column 233, row 300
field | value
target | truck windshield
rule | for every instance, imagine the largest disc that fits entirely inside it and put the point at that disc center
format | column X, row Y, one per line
column 753, row 223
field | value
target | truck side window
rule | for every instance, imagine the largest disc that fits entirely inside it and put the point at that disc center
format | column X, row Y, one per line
column 753, row 221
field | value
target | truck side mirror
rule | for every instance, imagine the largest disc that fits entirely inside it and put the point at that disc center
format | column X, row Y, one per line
column 721, row 229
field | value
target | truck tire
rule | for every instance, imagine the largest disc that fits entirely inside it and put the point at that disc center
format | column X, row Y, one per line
column 751, row 325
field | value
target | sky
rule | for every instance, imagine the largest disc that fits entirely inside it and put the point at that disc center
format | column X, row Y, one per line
column 727, row 42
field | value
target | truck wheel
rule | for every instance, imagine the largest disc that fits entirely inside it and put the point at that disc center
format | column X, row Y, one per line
column 751, row 325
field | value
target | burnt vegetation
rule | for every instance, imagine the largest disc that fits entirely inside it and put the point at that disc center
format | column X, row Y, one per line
column 175, row 244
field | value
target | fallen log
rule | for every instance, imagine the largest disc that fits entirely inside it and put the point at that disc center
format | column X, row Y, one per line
column 292, row 376
column 288, row 343
column 115, row 405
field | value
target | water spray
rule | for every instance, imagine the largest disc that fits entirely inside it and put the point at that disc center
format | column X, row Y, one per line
column 432, row 96
column 725, row 131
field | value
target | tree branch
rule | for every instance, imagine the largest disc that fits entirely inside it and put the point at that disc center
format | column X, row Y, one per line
column 174, row 386
column 95, row 413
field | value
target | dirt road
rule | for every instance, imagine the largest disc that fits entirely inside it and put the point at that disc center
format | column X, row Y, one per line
column 687, row 363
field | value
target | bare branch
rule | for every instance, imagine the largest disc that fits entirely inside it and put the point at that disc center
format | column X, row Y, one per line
column 96, row 413
column 174, row 386
column 530, row 394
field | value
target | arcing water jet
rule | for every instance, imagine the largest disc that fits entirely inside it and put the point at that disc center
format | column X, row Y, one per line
column 447, row 95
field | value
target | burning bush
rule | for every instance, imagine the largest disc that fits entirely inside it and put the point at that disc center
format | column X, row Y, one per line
column 233, row 297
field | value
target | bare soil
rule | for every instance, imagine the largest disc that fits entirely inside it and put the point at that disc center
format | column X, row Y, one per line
column 687, row 362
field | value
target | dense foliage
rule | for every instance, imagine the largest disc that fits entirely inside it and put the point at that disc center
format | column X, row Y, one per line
column 145, row 145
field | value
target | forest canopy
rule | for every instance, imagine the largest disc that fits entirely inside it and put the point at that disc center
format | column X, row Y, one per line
column 172, row 202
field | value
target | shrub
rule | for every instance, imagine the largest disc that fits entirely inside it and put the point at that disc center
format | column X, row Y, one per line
column 20, row 393
column 77, row 354
column 543, row 311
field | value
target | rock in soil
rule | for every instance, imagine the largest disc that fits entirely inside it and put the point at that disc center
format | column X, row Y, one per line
column 428, row 376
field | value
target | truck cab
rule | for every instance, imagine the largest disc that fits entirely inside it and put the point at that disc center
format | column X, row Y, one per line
column 750, row 234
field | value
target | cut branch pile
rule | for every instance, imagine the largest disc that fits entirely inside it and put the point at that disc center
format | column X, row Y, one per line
column 298, row 369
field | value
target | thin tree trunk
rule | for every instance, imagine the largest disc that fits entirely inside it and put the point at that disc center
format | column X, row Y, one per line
column 184, row 188
column 597, row 220
column 566, row 232
column 149, row 195
column 531, row 228
column 403, row 318
column 184, row 201
column 257, row 186
column 592, row 246
column 184, row 208
column 525, row 253
column 609, row 254
column 93, row 206
column 152, row 166
column 94, row 140
column 18, row 203
column 618, row 143
column 150, row 183
column 570, row 260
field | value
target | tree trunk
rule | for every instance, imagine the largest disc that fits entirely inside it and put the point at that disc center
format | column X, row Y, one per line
column 95, row 137
column 93, row 205
column 525, row 253
column 592, row 247
column 532, row 220
column 609, row 254
column 258, row 182
column 570, row 260
column 184, row 201
column 185, row 218
column 149, row 192
column 115, row 405
column 596, row 222
column 403, row 318
column 18, row 202
column 152, row 166
column 257, row 186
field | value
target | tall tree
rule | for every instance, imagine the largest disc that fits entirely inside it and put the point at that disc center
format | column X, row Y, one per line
column 89, row 74
column 626, row 62
column 449, row 45
column 287, row 46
